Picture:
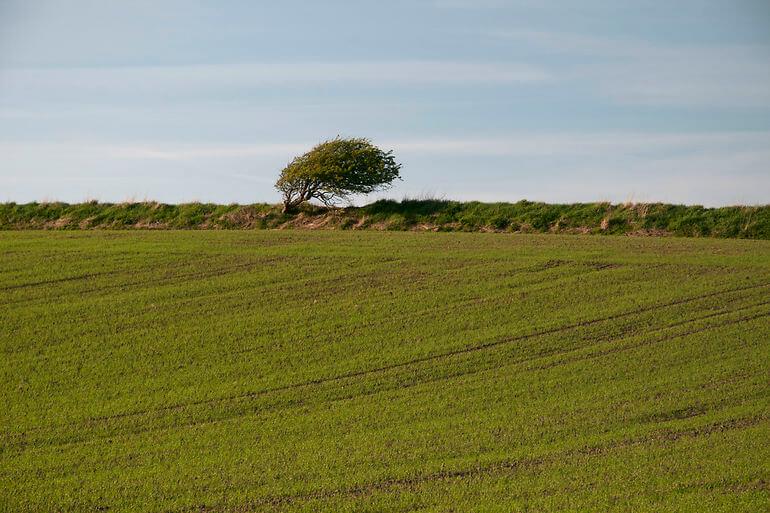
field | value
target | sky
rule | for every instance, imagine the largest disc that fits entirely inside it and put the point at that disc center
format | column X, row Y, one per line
column 489, row 100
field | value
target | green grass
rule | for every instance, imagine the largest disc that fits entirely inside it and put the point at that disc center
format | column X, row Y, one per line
column 362, row 371
column 424, row 215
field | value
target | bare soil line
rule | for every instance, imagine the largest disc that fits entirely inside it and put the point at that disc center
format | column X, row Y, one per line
column 439, row 356
column 157, row 281
column 498, row 342
column 542, row 355
column 237, row 267
column 502, row 467
column 554, row 282
column 613, row 350
column 58, row 280
column 295, row 403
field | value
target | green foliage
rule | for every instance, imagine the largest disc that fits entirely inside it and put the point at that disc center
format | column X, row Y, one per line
column 437, row 215
column 335, row 170
column 347, row 371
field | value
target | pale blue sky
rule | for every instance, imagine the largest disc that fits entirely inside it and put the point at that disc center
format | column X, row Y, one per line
column 488, row 99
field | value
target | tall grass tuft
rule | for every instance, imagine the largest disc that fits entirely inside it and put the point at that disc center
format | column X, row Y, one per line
column 437, row 214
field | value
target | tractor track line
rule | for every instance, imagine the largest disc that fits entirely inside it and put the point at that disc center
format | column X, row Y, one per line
column 501, row 299
column 498, row 468
column 424, row 359
column 613, row 350
column 277, row 292
column 158, row 281
column 58, row 280
column 296, row 403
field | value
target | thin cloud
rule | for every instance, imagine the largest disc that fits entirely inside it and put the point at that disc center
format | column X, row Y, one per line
column 158, row 79
column 516, row 144
column 711, row 168
column 173, row 152
column 570, row 144
column 638, row 72
column 474, row 4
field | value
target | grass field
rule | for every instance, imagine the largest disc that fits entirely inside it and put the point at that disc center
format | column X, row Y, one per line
column 741, row 222
column 185, row 371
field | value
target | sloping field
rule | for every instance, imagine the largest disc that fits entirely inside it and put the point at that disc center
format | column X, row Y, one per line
column 364, row 371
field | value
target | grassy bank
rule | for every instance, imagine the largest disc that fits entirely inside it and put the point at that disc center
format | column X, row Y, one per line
column 432, row 215
column 352, row 371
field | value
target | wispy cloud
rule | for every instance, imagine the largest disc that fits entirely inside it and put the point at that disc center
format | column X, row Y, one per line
column 600, row 145
column 640, row 72
column 710, row 168
column 513, row 144
column 196, row 152
column 473, row 4
column 221, row 77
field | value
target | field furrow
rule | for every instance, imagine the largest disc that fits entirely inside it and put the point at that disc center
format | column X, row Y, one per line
column 173, row 371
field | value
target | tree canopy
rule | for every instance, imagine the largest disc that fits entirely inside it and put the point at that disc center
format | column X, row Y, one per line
column 335, row 170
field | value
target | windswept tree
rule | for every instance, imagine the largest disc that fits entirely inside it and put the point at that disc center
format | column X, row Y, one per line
column 335, row 170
